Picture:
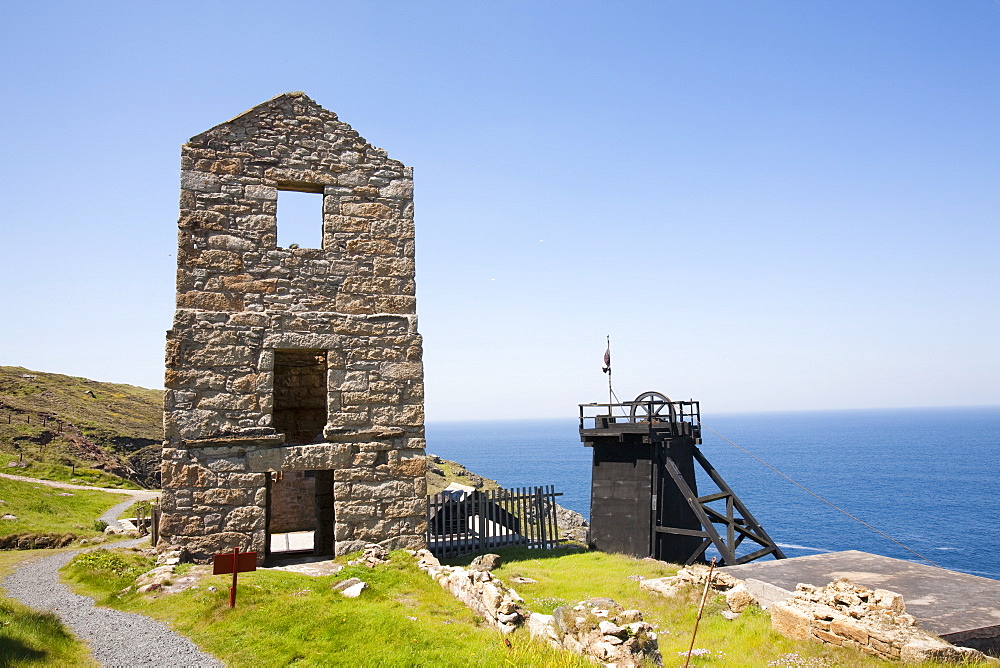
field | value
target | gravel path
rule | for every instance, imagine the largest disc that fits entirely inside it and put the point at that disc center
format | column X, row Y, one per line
column 115, row 638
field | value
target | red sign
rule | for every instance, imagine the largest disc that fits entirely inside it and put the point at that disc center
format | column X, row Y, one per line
column 234, row 562
column 245, row 562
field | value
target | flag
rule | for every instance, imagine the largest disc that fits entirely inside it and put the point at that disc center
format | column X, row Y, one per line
column 607, row 360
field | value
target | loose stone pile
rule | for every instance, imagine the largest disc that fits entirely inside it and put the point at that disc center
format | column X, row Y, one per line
column 372, row 556
column 738, row 598
column 600, row 628
column 842, row 613
column 871, row 621
column 162, row 574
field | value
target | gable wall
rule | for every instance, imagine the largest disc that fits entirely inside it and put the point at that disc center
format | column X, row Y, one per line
column 240, row 298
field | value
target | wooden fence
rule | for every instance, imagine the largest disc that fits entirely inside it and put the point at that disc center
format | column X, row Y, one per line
column 465, row 523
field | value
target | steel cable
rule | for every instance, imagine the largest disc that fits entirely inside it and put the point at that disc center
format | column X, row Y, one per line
column 829, row 503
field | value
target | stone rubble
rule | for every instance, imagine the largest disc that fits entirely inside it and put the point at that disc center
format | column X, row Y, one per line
column 372, row 556
column 688, row 576
column 599, row 628
column 873, row 621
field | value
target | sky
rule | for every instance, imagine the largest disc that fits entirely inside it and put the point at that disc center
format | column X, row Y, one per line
column 767, row 205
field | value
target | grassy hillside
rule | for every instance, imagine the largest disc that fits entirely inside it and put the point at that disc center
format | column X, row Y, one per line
column 41, row 509
column 52, row 425
column 442, row 472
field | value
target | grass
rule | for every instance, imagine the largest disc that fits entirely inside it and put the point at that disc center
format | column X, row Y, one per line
column 403, row 619
column 565, row 577
column 32, row 638
column 42, row 509
column 406, row 619
column 454, row 472
column 134, row 510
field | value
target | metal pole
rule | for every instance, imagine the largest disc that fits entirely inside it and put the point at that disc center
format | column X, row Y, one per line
column 701, row 608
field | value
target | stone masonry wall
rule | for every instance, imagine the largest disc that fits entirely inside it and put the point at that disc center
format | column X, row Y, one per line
column 242, row 301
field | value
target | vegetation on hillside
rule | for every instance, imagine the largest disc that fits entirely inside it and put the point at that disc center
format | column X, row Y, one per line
column 442, row 472
column 41, row 509
column 64, row 427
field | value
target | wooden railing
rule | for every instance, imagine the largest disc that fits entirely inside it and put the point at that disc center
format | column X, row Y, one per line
column 470, row 522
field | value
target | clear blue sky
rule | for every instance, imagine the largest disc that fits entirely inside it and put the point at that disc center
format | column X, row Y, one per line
column 767, row 205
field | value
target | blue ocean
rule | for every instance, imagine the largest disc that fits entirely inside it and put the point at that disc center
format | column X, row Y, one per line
column 928, row 478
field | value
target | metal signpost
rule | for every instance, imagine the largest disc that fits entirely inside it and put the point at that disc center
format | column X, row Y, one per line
column 234, row 562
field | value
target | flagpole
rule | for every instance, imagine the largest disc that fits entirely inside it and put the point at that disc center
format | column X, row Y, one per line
column 610, row 412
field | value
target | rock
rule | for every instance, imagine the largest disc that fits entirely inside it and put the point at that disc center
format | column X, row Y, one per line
column 729, row 614
column 543, row 627
column 344, row 584
column 739, row 598
column 354, row 590
column 8, row 516
column 611, row 629
column 931, row 649
column 629, row 616
column 485, row 562
column 668, row 586
column 572, row 525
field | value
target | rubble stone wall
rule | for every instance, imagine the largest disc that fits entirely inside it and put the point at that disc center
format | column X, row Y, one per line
column 874, row 622
column 242, row 302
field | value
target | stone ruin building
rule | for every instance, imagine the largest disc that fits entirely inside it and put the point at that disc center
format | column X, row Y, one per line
column 294, row 381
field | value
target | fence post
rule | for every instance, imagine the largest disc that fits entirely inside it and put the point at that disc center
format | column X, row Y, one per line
column 540, row 514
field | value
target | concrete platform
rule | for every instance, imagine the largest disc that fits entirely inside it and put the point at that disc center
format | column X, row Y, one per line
column 962, row 609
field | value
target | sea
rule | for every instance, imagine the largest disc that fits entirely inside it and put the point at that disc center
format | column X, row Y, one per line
column 928, row 480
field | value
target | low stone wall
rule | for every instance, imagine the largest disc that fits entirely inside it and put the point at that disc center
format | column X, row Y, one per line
column 873, row 621
column 490, row 598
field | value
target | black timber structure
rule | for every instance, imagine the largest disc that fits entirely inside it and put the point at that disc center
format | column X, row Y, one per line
column 644, row 493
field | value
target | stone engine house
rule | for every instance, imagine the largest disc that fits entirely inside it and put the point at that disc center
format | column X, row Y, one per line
column 294, row 381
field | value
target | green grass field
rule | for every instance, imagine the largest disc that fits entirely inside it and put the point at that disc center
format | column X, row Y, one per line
column 403, row 619
column 42, row 509
column 406, row 619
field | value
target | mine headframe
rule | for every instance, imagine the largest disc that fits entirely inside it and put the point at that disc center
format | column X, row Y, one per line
column 644, row 493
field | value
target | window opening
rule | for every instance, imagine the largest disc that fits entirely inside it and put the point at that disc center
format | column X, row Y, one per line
column 299, row 395
column 300, row 219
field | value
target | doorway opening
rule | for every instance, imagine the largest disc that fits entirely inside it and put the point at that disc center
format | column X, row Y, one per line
column 300, row 513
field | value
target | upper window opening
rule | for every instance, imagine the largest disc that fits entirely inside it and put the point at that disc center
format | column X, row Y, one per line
column 300, row 219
